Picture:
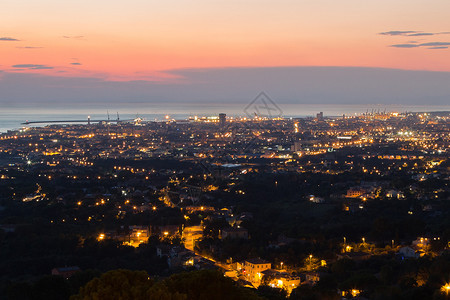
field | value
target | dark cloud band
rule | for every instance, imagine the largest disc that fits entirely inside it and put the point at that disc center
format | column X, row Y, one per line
column 32, row 67
column 431, row 45
column 8, row 39
column 398, row 32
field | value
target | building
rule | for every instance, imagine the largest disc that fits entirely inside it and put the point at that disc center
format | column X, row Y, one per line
column 166, row 230
column 297, row 146
column 357, row 256
column 222, row 120
column 191, row 234
column 65, row 272
column 315, row 199
column 163, row 250
column 395, row 194
column 311, row 278
column 192, row 209
column 320, row 116
column 177, row 256
column 234, row 233
column 138, row 235
column 355, row 192
column 408, row 252
column 253, row 269
column 282, row 280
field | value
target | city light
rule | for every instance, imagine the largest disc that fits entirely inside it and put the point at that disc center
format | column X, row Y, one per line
column 355, row 292
column 338, row 170
column 446, row 288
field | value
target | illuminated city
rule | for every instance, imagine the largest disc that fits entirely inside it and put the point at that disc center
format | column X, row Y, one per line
column 268, row 202
column 224, row 150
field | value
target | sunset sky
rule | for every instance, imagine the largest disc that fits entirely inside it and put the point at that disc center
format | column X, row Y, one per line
column 155, row 40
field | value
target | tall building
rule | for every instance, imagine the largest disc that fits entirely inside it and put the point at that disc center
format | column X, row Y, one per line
column 222, row 119
column 297, row 146
column 320, row 116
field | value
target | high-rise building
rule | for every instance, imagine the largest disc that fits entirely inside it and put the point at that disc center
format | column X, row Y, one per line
column 297, row 146
column 320, row 116
column 222, row 119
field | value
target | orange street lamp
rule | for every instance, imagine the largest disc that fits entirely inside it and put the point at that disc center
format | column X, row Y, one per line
column 446, row 288
column 355, row 292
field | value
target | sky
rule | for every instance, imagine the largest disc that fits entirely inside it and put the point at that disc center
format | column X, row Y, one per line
column 154, row 51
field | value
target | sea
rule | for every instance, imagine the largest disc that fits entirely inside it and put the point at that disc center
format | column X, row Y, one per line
column 12, row 118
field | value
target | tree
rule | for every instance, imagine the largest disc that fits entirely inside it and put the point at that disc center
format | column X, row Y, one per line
column 19, row 291
column 311, row 263
column 137, row 285
column 387, row 274
column 207, row 284
column 272, row 293
column 306, row 292
column 81, row 278
column 117, row 284
column 51, row 287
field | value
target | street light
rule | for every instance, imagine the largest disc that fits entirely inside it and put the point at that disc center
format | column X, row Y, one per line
column 446, row 288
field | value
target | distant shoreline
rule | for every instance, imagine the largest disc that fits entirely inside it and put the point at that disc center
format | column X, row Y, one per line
column 12, row 120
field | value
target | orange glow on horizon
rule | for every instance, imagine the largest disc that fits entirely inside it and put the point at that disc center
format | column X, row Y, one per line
column 143, row 40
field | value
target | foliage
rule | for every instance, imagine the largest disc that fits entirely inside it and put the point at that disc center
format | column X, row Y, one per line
column 198, row 285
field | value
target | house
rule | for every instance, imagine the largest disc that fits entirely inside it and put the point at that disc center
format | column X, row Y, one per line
column 65, row 272
column 421, row 242
column 8, row 228
column 311, row 278
column 234, row 233
column 166, row 230
column 315, row 199
column 138, row 235
column 176, row 256
column 193, row 209
column 253, row 269
column 354, row 255
column 408, row 252
column 395, row 194
column 231, row 273
column 163, row 250
column 355, row 192
column 282, row 280
column 427, row 207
